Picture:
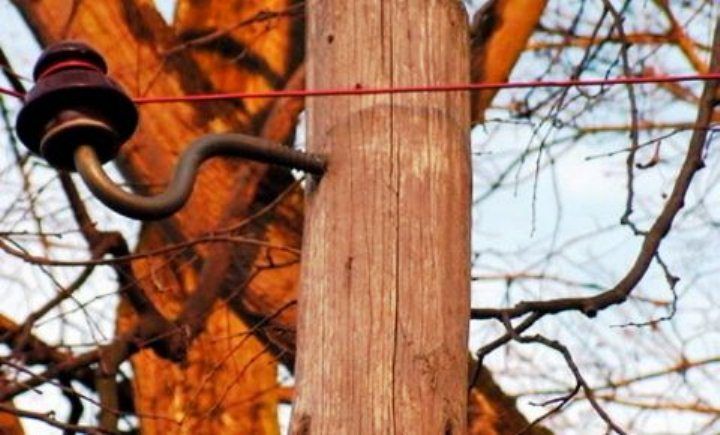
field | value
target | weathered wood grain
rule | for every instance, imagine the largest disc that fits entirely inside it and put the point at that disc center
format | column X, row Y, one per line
column 384, row 301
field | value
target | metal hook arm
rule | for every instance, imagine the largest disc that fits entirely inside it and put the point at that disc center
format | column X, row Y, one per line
column 174, row 197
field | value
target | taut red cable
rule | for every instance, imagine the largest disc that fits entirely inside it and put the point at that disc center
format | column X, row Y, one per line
column 360, row 90
column 12, row 93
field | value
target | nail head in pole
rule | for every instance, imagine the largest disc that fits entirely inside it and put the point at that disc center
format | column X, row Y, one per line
column 74, row 102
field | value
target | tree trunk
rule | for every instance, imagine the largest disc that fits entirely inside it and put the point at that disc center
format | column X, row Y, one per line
column 384, row 299
column 501, row 30
column 224, row 387
column 10, row 423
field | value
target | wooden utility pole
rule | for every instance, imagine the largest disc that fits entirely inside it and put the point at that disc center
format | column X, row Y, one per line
column 384, row 299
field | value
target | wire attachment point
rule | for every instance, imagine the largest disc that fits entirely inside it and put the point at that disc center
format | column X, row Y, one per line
column 77, row 118
column 73, row 102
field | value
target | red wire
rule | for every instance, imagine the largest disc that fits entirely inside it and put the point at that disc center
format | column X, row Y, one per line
column 12, row 93
column 360, row 90
column 77, row 64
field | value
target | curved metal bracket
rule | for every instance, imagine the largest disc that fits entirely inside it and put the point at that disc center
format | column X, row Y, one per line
column 89, row 166
column 77, row 118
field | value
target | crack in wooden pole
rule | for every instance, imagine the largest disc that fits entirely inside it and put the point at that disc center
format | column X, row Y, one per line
column 384, row 293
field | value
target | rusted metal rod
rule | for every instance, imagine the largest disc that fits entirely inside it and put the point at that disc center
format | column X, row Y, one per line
column 89, row 166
